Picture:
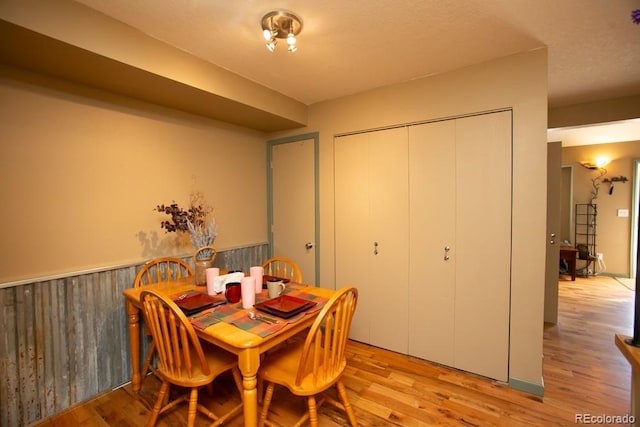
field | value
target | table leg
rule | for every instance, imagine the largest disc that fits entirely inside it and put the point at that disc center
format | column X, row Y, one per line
column 572, row 267
column 248, row 363
column 134, row 345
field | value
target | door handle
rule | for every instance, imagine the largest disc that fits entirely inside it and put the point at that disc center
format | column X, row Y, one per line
column 446, row 253
column 375, row 248
column 308, row 245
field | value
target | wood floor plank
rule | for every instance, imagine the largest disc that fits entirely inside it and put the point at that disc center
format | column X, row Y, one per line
column 583, row 373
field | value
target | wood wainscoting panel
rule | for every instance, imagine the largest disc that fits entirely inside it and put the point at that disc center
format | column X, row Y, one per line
column 63, row 341
column 66, row 340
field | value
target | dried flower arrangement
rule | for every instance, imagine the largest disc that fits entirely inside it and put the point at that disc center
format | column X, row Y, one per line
column 198, row 220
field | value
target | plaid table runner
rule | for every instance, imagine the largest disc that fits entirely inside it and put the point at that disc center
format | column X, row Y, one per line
column 234, row 314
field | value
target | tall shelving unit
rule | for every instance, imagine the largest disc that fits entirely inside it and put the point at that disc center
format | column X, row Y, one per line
column 585, row 232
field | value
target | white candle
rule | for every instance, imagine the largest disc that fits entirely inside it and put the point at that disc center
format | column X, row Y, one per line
column 211, row 274
column 256, row 272
column 248, row 290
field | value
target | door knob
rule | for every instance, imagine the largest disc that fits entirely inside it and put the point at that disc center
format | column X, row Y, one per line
column 446, row 253
column 308, row 245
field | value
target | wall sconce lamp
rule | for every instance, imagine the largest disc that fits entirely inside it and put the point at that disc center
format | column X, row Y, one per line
column 281, row 24
column 613, row 180
column 598, row 163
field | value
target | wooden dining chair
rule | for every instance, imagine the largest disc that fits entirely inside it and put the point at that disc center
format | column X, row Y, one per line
column 183, row 360
column 310, row 367
column 282, row 267
column 157, row 271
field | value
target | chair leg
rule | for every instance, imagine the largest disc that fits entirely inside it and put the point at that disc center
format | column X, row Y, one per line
column 342, row 393
column 237, row 378
column 153, row 418
column 223, row 419
column 265, row 404
column 167, row 396
column 146, row 366
column 313, row 411
column 193, row 407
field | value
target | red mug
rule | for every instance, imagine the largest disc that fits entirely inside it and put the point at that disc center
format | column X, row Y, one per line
column 232, row 292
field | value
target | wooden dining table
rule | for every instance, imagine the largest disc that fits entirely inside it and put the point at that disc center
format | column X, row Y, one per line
column 246, row 345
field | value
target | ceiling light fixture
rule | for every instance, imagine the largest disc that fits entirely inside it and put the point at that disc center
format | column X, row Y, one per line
column 281, row 24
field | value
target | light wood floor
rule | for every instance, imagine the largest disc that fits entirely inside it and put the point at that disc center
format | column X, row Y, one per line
column 583, row 373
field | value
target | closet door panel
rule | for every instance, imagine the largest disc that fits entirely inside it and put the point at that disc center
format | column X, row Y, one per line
column 403, row 196
column 352, row 219
column 483, row 244
column 389, row 230
column 432, row 225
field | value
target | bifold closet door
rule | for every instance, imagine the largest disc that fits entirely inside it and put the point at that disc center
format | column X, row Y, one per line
column 432, row 259
column 371, row 233
column 460, row 244
column 352, row 227
column 483, row 244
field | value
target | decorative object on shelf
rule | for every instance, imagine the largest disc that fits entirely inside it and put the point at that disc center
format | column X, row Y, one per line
column 199, row 221
column 613, row 180
column 635, row 16
column 281, row 24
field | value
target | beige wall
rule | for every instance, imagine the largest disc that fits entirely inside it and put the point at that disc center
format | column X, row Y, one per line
column 613, row 233
column 148, row 155
column 81, row 172
column 519, row 82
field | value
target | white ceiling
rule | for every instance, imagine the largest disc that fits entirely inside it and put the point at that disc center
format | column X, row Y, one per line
column 349, row 46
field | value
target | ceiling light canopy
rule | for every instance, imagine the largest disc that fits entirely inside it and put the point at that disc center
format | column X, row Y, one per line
column 281, row 24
